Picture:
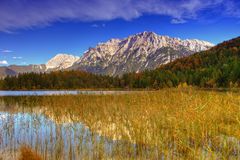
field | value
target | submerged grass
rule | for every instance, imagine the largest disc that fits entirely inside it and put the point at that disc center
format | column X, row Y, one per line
column 170, row 123
column 26, row 153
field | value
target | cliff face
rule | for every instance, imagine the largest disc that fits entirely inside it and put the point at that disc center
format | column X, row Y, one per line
column 136, row 53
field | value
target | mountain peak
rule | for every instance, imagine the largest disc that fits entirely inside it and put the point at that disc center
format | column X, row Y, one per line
column 143, row 35
column 146, row 50
column 61, row 61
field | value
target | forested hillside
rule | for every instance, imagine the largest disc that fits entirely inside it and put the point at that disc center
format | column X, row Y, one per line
column 214, row 68
column 217, row 67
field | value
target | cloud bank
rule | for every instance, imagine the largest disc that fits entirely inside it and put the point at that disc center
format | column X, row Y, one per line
column 16, row 14
column 3, row 62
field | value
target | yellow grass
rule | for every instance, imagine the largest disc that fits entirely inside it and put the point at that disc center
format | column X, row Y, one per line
column 26, row 153
column 170, row 123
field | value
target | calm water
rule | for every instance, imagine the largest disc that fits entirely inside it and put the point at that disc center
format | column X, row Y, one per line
column 41, row 93
column 55, row 133
column 87, row 127
column 67, row 140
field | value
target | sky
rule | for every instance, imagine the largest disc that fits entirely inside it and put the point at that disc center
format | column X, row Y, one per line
column 32, row 31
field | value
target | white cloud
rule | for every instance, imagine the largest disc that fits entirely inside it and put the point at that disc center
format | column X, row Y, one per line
column 17, row 57
column 232, row 8
column 178, row 21
column 3, row 62
column 45, row 12
column 94, row 25
column 6, row 51
column 98, row 25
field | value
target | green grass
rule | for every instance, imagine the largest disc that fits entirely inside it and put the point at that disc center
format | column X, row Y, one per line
column 170, row 123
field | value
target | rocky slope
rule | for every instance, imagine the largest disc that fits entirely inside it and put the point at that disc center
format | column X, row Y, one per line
column 13, row 70
column 61, row 61
column 136, row 53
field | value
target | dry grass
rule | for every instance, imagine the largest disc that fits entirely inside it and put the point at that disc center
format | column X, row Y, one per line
column 26, row 153
column 171, row 123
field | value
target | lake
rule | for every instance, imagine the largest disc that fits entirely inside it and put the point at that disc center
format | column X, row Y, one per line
column 66, row 92
column 66, row 140
column 166, row 124
column 55, row 133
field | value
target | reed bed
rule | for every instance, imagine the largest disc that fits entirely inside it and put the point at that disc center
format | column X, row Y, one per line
column 166, row 124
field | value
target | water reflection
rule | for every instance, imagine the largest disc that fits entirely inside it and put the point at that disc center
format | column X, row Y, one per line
column 55, row 134
column 103, row 127
column 42, row 134
column 41, row 93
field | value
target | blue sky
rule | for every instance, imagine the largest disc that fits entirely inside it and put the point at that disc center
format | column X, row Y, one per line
column 31, row 32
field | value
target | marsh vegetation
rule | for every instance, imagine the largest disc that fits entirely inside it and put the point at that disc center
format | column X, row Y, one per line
column 170, row 123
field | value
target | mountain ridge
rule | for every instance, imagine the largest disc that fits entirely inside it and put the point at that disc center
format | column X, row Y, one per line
column 135, row 53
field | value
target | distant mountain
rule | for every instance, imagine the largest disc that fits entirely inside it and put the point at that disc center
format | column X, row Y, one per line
column 135, row 53
column 28, row 68
column 60, row 62
column 7, row 71
column 13, row 70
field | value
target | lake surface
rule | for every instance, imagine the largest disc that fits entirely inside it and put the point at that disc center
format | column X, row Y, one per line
column 123, row 126
column 55, row 133
column 47, row 93
column 53, row 140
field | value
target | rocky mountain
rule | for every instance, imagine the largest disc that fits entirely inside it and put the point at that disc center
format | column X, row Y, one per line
column 28, row 68
column 4, row 71
column 60, row 62
column 13, row 70
column 136, row 53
